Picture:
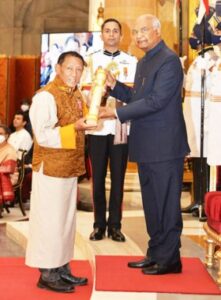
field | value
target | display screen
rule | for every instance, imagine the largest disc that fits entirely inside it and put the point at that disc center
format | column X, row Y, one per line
column 53, row 44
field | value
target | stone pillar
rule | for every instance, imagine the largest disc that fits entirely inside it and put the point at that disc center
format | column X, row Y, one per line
column 93, row 11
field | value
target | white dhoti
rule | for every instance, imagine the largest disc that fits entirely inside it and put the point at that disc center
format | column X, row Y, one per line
column 52, row 221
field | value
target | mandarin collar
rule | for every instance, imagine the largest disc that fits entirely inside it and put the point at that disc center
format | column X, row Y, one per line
column 204, row 50
column 64, row 87
column 108, row 53
column 153, row 51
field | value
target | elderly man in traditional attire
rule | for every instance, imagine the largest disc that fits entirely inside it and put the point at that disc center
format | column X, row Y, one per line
column 57, row 118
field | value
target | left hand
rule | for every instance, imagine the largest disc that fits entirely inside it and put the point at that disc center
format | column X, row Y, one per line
column 82, row 125
column 182, row 60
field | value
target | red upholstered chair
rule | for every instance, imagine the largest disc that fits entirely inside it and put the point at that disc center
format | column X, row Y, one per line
column 213, row 230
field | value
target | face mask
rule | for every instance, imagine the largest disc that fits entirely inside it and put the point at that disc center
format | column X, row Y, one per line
column 194, row 42
column 24, row 107
column 2, row 138
column 216, row 39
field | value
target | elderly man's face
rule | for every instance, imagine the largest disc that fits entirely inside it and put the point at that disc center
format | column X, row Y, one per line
column 70, row 70
column 146, row 37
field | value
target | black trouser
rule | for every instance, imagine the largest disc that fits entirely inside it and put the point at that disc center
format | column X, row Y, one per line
column 101, row 150
column 161, row 186
column 200, row 179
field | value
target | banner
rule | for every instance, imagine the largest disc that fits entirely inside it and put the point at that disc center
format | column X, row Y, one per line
column 203, row 8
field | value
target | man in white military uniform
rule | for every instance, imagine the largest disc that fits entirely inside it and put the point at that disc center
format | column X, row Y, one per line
column 109, row 142
column 214, row 124
column 192, row 107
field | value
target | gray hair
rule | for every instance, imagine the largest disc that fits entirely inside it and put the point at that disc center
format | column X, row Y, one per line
column 154, row 20
column 156, row 23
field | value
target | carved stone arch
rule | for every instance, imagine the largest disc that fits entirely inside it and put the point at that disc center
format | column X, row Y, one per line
column 21, row 8
column 59, row 16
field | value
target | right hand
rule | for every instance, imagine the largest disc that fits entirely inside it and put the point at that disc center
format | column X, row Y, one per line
column 107, row 113
column 110, row 80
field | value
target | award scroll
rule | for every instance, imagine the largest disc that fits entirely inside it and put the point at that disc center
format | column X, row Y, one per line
column 96, row 96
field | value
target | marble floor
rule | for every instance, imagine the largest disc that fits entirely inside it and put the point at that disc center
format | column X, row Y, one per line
column 13, row 238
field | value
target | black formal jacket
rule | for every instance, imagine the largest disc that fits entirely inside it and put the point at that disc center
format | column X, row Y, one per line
column 158, row 131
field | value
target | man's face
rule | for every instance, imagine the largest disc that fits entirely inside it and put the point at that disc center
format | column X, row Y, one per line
column 18, row 122
column 111, row 35
column 145, row 35
column 70, row 71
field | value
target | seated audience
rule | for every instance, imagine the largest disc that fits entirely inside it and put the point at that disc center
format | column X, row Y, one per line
column 8, row 162
column 24, row 107
column 21, row 139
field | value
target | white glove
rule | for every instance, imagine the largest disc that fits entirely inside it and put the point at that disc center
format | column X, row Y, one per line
column 182, row 60
column 202, row 63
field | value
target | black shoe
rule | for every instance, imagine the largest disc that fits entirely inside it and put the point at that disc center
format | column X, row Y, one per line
column 203, row 217
column 57, row 286
column 163, row 269
column 189, row 209
column 194, row 207
column 143, row 263
column 97, row 235
column 116, row 235
column 69, row 278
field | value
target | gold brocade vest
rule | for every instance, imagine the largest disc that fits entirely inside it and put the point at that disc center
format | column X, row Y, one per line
column 62, row 163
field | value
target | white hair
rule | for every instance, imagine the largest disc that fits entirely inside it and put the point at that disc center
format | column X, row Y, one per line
column 154, row 20
column 156, row 23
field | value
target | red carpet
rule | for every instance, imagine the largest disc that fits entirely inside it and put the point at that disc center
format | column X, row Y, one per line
column 112, row 274
column 18, row 281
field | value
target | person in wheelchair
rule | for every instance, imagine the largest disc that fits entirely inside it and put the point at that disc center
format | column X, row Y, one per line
column 8, row 163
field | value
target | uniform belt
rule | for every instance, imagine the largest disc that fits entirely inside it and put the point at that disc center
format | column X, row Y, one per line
column 214, row 98
column 194, row 94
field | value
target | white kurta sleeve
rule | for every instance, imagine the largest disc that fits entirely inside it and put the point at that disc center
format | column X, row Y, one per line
column 27, row 142
column 43, row 116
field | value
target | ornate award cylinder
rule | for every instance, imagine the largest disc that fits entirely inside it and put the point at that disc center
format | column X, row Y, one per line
column 96, row 96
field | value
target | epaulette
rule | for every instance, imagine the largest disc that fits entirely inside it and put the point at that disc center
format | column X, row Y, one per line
column 94, row 52
column 128, row 53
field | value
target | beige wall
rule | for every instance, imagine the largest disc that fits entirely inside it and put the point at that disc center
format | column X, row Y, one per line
column 126, row 12
column 164, row 10
column 23, row 21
